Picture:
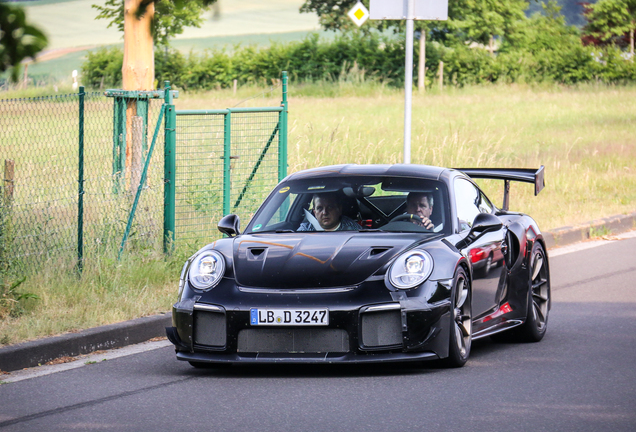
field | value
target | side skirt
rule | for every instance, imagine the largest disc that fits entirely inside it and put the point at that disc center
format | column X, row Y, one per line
column 506, row 325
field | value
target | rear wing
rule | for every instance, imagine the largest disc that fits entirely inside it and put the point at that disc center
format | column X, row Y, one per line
column 527, row 175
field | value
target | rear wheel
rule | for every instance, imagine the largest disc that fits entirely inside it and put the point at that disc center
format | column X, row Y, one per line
column 461, row 324
column 536, row 323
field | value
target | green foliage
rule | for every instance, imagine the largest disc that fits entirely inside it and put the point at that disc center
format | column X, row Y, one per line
column 169, row 65
column 480, row 20
column 545, row 50
column 171, row 16
column 12, row 302
column 18, row 39
column 102, row 68
column 610, row 20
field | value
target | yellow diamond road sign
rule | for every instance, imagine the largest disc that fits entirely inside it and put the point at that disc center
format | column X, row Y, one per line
column 359, row 14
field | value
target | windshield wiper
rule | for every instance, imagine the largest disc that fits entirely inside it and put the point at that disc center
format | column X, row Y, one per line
column 284, row 231
column 370, row 230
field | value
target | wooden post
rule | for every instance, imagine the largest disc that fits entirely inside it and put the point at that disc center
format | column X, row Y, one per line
column 234, row 85
column 491, row 46
column 138, row 70
column 440, row 73
column 421, row 68
column 9, row 173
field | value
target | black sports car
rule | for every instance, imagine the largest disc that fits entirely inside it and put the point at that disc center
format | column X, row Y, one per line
column 370, row 263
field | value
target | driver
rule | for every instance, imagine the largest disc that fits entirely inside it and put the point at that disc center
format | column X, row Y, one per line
column 327, row 210
column 420, row 204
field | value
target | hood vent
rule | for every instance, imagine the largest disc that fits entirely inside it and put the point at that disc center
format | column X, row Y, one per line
column 375, row 252
column 256, row 253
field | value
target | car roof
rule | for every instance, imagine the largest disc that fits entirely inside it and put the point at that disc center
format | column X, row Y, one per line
column 397, row 170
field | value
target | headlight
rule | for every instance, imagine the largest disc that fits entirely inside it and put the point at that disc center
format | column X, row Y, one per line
column 207, row 269
column 411, row 269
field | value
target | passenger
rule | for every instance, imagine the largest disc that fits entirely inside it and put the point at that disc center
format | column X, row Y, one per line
column 327, row 213
column 421, row 204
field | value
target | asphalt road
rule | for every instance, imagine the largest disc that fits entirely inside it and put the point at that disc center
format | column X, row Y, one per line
column 581, row 377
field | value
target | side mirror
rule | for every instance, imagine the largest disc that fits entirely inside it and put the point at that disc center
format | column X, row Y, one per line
column 483, row 223
column 230, row 225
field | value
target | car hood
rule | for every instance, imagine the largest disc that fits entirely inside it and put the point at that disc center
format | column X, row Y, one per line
column 314, row 260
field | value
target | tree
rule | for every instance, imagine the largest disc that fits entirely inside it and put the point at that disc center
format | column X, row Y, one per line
column 610, row 20
column 18, row 39
column 480, row 21
column 169, row 19
column 547, row 31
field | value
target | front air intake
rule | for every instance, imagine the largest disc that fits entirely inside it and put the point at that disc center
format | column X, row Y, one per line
column 293, row 340
column 381, row 329
column 209, row 328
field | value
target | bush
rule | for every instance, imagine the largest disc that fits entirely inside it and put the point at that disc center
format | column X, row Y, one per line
column 169, row 66
column 102, row 68
column 544, row 50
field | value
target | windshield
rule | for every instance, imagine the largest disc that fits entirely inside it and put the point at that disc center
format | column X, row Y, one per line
column 350, row 203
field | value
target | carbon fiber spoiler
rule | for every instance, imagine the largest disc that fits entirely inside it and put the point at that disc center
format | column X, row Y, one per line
column 527, row 175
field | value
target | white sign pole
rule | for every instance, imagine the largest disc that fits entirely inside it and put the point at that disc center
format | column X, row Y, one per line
column 408, row 81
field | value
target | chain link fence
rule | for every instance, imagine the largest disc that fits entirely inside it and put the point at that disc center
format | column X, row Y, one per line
column 69, row 187
column 58, row 181
column 203, row 194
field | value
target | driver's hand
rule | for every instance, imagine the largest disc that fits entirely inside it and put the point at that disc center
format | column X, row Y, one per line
column 426, row 223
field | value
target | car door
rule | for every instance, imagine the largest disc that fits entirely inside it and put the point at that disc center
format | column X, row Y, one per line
column 485, row 253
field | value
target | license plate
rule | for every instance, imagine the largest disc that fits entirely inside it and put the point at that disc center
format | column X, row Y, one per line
column 289, row 317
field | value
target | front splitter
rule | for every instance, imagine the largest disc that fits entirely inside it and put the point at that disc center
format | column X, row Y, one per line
column 307, row 358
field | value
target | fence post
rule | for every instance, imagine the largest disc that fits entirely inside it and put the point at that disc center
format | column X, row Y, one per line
column 282, row 134
column 9, row 174
column 169, row 165
column 119, row 141
column 80, row 185
column 227, row 148
column 137, row 152
column 441, row 75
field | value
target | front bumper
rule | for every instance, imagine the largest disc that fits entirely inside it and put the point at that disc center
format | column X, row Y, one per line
column 404, row 329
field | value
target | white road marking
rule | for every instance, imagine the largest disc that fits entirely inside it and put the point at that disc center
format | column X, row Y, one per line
column 589, row 244
column 81, row 361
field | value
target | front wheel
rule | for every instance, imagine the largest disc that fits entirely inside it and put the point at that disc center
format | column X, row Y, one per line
column 461, row 324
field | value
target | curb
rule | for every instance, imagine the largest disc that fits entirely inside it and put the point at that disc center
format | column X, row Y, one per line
column 41, row 351
column 38, row 352
column 598, row 228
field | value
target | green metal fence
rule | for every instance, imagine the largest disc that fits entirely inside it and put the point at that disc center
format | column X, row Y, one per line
column 66, row 190
column 226, row 161
column 57, row 181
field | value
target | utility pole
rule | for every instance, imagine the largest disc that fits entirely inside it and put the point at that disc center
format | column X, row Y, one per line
column 409, row 10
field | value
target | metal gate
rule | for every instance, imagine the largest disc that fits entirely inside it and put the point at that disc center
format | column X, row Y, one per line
column 222, row 161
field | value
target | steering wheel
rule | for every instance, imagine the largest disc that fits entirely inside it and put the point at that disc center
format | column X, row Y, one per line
column 408, row 217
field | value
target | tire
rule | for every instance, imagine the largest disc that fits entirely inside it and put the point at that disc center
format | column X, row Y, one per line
column 539, row 297
column 461, row 321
